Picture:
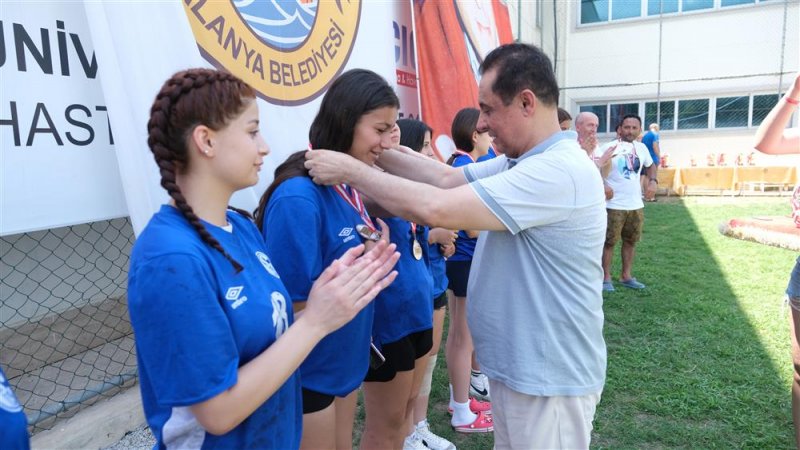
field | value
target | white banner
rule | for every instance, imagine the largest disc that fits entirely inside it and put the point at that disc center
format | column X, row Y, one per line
column 57, row 161
column 52, row 172
column 405, row 59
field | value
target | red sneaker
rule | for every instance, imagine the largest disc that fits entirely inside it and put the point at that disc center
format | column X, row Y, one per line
column 482, row 424
column 477, row 406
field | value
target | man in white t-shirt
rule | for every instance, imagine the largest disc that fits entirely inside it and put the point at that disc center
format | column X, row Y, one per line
column 626, row 209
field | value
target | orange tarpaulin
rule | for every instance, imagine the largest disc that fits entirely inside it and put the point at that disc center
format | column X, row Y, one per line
column 446, row 39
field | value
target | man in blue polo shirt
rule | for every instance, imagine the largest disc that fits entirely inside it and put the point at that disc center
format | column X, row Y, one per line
column 535, row 305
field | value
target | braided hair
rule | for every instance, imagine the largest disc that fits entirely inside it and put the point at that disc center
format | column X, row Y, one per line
column 188, row 99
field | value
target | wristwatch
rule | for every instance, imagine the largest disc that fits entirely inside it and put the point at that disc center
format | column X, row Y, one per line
column 654, row 180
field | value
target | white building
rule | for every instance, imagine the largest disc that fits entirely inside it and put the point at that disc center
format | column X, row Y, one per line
column 715, row 66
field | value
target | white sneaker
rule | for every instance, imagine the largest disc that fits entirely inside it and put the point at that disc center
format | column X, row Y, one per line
column 430, row 440
column 479, row 386
column 414, row 442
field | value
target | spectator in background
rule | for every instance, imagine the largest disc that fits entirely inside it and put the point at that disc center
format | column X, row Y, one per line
column 626, row 210
column 13, row 423
column 586, row 124
column 564, row 119
column 773, row 138
column 651, row 141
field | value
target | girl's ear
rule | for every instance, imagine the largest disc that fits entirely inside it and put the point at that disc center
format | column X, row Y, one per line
column 202, row 140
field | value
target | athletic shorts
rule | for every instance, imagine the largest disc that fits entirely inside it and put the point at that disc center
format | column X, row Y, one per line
column 457, row 277
column 401, row 355
column 627, row 224
column 440, row 301
column 314, row 401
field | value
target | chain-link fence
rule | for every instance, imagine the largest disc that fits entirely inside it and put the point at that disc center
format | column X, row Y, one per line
column 65, row 336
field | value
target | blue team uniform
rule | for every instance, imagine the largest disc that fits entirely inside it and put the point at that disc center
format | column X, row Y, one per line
column 465, row 245
column 406, row 305
column 438, row 270
column 196, row 321
column 13, row 424
column 306, row 228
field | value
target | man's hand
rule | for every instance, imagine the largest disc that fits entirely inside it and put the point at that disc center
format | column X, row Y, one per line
column 609, row 192
column 328, row 167
column 589, row 143
column 650, row 193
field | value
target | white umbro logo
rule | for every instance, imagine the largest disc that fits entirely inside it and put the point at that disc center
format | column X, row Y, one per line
column 264, row 259
column 233, row 296
column 347, row 234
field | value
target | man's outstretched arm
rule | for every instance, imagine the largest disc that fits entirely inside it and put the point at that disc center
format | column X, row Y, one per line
column 410, row 165
column 454, row 208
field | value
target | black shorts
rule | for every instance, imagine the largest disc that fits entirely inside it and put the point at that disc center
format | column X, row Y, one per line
column 440, row 301
column 457, row 276
column 314, row 401
column 401, row 355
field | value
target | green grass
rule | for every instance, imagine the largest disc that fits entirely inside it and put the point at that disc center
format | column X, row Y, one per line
column 701, row 358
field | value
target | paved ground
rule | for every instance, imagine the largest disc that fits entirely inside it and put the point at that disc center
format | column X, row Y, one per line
column 138, row 439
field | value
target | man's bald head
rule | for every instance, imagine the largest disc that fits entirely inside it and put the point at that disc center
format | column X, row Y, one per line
column 586, row 124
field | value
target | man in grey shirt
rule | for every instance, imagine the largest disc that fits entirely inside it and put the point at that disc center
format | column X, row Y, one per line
column 535, row 306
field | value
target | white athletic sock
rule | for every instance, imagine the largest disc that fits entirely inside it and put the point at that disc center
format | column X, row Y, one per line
column 462, row 415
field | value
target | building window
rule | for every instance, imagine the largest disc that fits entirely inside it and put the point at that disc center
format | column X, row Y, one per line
column 620, row 110
column 656, row 7
column 692, row 114
column 593, row 11
column 736, row 2
column 694, row 5
column 600, row 112
column 625, row 9
column 732, row 112
column 666, row 120
column 762, row 105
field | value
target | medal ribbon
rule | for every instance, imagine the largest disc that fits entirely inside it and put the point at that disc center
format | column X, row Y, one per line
column 354, row 200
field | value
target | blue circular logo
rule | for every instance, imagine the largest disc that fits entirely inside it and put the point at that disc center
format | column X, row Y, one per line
column 284, row 25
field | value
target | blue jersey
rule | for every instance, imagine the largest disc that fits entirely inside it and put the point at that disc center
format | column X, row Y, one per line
column 465, row 245
column 196, row 321
column 13, row 424
column 438, row 269
column 306, row 227
column 406, row 306
column 648, row 139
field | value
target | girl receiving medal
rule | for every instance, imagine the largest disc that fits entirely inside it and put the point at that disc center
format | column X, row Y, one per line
column 306, row 226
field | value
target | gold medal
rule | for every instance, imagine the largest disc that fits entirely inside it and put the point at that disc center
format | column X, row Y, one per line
column 368, row 233
column 417, row 250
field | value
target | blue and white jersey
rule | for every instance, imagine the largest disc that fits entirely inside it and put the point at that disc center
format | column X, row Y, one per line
column 406, row 306
column 13, row 423
column 196, row 321
column 307, row 227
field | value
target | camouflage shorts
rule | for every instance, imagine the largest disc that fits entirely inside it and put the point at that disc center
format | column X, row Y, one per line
column 627, row 224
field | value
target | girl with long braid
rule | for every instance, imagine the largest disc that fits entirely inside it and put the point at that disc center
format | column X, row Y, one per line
column 217, row 347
